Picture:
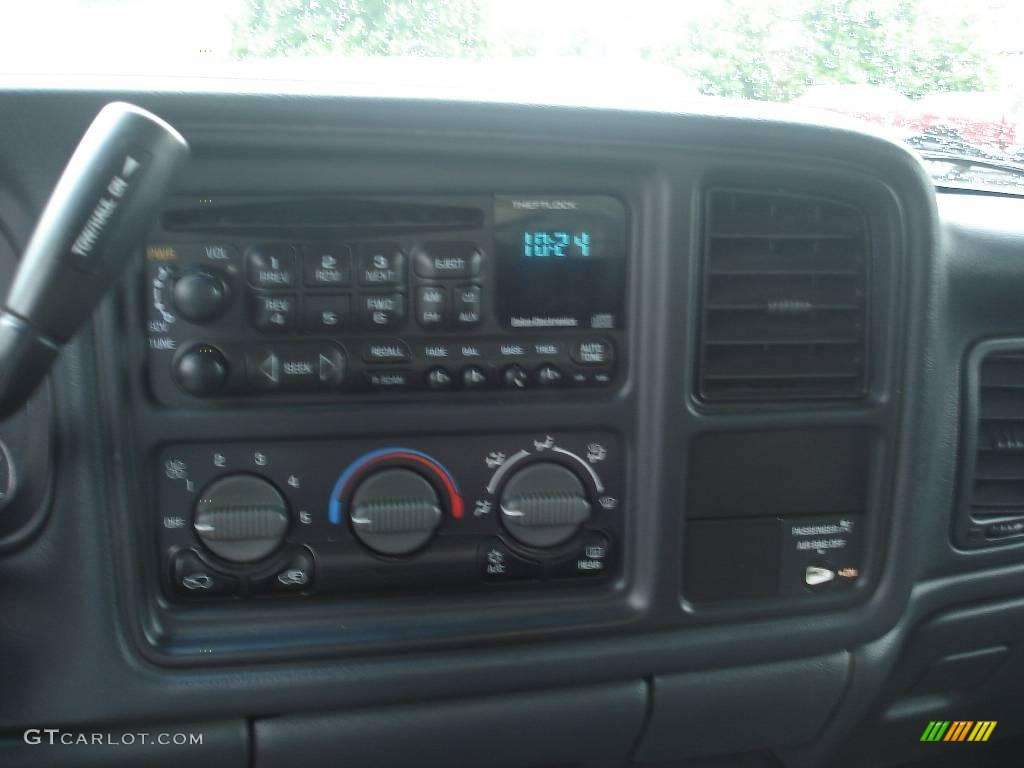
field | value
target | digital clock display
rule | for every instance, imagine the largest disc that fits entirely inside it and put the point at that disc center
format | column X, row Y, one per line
column 556, row 245
column 561, row 261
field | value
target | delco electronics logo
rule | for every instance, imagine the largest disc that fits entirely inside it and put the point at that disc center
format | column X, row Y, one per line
column 959, row 730
column 545, row 205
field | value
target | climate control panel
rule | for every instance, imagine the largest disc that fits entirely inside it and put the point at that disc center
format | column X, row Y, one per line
column 457, row 513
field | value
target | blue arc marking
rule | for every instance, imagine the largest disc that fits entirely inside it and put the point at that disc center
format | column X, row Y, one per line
column 335, row 509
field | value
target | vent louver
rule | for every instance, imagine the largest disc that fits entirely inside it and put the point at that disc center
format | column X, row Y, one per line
column 994, row 487
column 784, row 313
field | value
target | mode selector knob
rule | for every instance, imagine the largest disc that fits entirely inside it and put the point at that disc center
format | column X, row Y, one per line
column 200, row 296
column 395, row 511
column 544, row 504
column 241, row 518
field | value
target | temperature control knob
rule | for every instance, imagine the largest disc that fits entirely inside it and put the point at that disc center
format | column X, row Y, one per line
column 544, row 504
column 241, row 518
column 395, row 511
column 200, row 296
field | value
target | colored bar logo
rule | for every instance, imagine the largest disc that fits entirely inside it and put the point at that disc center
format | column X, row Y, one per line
column 959, row 730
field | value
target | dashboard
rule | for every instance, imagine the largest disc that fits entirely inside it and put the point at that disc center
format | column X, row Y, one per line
column 418, row 426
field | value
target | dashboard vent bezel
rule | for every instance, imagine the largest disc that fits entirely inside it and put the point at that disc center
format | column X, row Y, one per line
column 789, row 385
column 971, row 529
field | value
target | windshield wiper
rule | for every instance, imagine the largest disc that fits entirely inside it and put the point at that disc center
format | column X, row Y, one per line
column 987, row 162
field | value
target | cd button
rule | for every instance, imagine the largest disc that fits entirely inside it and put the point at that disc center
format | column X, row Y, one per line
column 381, row 264
column 273, row 312
column 388, row 351
column 382, row 310
column 270, row 266
column 467, row 304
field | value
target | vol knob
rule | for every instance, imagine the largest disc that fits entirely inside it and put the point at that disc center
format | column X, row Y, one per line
column 544, row 504
column 200, row 296
column 241, row 518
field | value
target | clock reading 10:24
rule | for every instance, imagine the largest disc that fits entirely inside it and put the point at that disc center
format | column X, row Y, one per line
column 542, row 244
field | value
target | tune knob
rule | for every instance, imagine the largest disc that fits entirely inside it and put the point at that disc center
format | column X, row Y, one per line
column 201, row 370
column 200, row 296
column 544, row 504
column 241, row 518
column 395, row 511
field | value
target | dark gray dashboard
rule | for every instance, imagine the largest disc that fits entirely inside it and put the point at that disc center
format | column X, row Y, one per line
column 710, row 635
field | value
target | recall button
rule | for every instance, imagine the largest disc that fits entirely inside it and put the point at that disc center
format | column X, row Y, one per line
column 387, row 351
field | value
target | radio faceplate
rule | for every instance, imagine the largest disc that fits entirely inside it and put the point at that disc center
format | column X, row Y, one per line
column 519, row 293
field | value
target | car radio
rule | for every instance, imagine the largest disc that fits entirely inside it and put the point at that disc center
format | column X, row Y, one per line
column 331, row 298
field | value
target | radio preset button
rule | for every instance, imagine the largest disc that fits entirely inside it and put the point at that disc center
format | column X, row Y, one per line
column 431, row 306
column 271, row 266
column 591, row 352
column 326, row 314
column 273, row 312
column 474, row 377
column 382, row 310
column 439, row 379
column 467, row 305
column 381, row 264
column 445, row 260
column 295, row 367
column 327, row 266
column 387, row 351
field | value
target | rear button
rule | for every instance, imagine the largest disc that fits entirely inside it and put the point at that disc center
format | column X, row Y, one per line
column 591, row 559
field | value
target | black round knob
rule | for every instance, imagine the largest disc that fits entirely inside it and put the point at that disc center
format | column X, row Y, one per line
column 544, row 504
column 395, row 511
column 201, row 370
column 516, row 377
column 200, row 296
column 241, row 518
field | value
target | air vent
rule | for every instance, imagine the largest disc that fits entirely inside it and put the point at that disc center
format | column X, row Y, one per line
column 785, row 298
column 993, row 487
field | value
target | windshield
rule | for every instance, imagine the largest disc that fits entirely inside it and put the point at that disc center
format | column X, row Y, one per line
column 942, row 75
